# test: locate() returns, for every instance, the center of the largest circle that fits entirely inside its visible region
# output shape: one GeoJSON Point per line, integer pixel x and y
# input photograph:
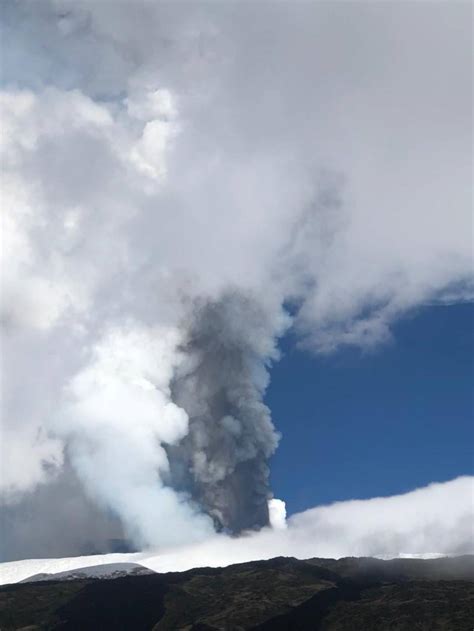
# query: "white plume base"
{"type": "Point", "coordinates": [277, 514]}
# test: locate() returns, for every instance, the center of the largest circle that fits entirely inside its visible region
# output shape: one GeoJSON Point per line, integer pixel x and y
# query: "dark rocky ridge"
{"type": "Point", "coordinates": [281, 594]}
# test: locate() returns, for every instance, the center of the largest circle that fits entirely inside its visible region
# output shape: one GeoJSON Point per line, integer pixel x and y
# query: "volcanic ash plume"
{"type": "Point", "coordinates": [153, 150]}
{"type": "Point", "coordinates": [223, 459]}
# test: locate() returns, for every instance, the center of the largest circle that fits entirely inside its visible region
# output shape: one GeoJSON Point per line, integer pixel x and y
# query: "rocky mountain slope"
{"type": "Point", "coordinates": [283, 593]}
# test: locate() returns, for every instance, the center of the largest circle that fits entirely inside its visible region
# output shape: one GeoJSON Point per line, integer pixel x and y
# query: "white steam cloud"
{"type": "Point", "coordinates": [432, 521]}
{"type": "Point", "coordinates": [239, 157]}
{"type": "Point", "coordinates": [116, 416]}
{"type": "Point", "coordinates": [277, 510]}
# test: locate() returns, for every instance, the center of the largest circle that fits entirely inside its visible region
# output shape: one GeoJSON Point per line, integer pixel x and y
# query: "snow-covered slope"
{"type": "Point", "coordinates": [97, 565]}
{"type": "Point", "coordinates": [114, 565]}
{"type": "Point", "coordinates": [107, 570]}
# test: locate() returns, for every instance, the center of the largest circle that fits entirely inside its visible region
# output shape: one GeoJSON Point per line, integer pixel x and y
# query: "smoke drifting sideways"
{"type": "Point", "coordinates": [428, 522]}
{"type": "Point", "coordinates": [161, 207]}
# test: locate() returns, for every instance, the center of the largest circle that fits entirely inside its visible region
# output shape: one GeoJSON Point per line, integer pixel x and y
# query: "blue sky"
{"type": "Point", "coordinates": [360, 425]}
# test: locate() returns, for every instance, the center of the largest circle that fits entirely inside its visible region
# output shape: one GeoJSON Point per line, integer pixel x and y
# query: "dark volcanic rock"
{"type": "Point", "coordinates": [318, 594]}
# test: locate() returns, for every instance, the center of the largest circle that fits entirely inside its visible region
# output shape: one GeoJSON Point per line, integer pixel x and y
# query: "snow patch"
{"type": "Point", "coordinates": [107, 570]}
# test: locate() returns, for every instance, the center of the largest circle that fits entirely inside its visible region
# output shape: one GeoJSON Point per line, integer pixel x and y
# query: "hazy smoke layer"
{"type": "Point", "coordinates": [167, 188]}
{"type": "Point", "coordinates": [39, 526]}
{"type": "Point", "coordinates": [223, 457]}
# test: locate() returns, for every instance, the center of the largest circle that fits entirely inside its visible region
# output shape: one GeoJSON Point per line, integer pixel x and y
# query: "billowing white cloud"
{"type": "Point", "coordinates": [436, 519]}
{"type": "Point", "coordinates": [116, 415]}
{"type": "Point", "coordinates": [152, 154]}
